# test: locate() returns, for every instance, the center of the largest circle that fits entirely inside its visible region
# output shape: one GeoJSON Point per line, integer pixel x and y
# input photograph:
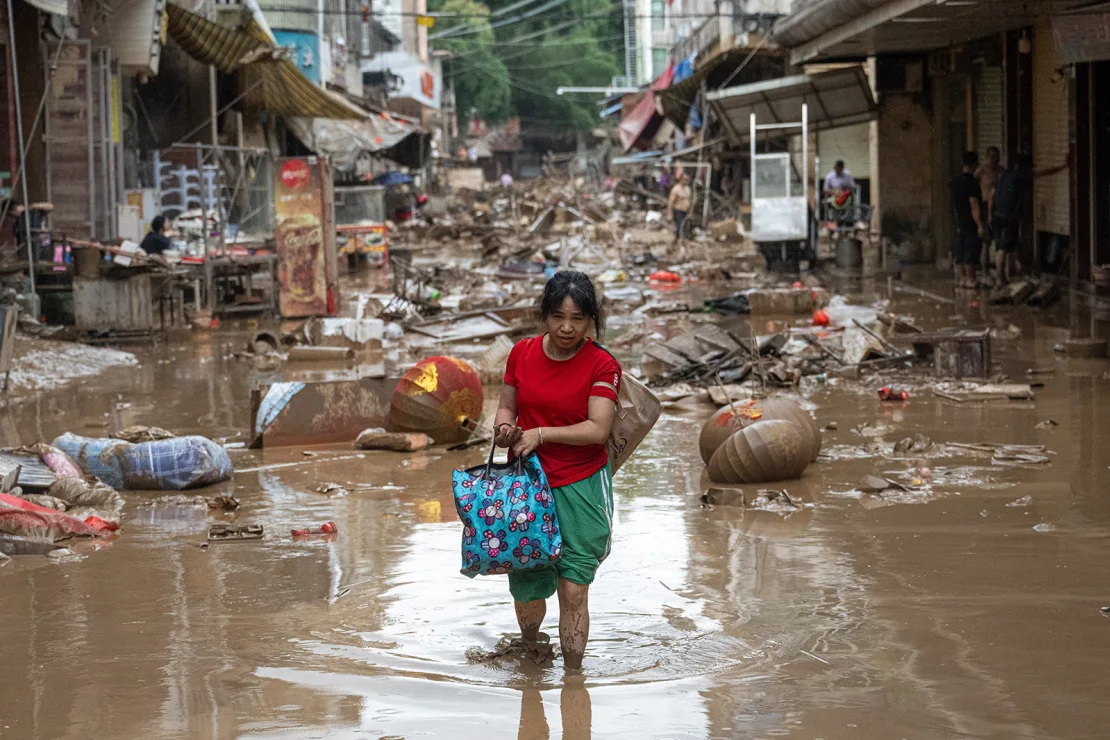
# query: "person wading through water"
{"type": "Point", "coordinates": [559, 400]}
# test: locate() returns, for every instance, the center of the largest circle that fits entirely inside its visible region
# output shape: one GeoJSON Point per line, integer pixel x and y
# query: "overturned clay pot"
{"type": "Point", "coordinates": [730, 419]}
{"type": "Point", "coordinates": [762, 452]}
{"type": "Point", "coordinates": [723, 424]}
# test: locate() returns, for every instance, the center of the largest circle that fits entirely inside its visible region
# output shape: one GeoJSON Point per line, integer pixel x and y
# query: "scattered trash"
{"type": "Point", "coordinates": [380, 439]}
{"type": "Point", "coordinates": [664, 277]}
{"type": "Point", "coordinates": [224, 502]}
{"type": "Point", "coordinates": [889, 393]}
{"type": "Point", "coordinates": [325, 528]}
{"type": "Point", "coordinates": [1021, 502]}
{"type": "Point", "coordinates": [986, 392]}
{"type": "Point", "coordinates": [820, 318]}
{"type": "Point", "coordinates": [25, 519]}
{"type": "Point", "coordinates": [1047, 424]}
{"type": "Point", "coordinates": [331, 489]}
{"type": "Point", "coordinates": [874, 484]}
{"type": "Point", "coordinates": [1045, 528]}
{"type": "Point", "coordinates": [235, 533]}
{"type": "Point", "coordinates": [917, 444]}
{"type": "Point", "coordinates": [136, 434]}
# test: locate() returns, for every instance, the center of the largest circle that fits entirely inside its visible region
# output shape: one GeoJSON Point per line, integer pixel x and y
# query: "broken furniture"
{"type": "Point", "coordinates": [961, 354]}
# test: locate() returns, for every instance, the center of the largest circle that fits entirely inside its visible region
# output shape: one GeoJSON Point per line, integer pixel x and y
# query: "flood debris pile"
{"type": "Point", "coordinates": [46, 498]}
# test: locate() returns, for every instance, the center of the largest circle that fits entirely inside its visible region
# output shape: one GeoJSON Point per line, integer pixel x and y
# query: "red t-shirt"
{"type": "Point", "coordinates": [554, 393]}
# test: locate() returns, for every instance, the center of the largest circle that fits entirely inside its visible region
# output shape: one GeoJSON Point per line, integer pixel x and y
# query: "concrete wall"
{"type": "Point", "coordinates": [906, 176]}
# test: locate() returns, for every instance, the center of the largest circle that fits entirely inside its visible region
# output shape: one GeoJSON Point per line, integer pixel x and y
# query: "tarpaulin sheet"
{"type": "Point", "coordinates": [639, 127]}
{"type": "Point", "coordinates": [343, 142]}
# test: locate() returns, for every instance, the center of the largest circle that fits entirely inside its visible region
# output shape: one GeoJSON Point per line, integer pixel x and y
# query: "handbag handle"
{"type": "Point", "coordinates": [489, 461]}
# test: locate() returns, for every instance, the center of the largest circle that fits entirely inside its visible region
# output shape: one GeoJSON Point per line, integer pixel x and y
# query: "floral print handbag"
{"type": "Point", "coordinates": [508, 516]}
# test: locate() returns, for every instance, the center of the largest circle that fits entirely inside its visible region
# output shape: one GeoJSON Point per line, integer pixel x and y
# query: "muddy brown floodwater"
{"type": "Point", "coordinates": [944, 613]}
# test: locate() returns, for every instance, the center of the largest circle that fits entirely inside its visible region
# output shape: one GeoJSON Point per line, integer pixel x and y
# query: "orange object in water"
{"type": "Point", "coordinates": [436, 397]}
{"type": "Point", "coordinates": [820, 318]}
{"type": "Point", "coordinates": [325, 528]}
{"type": "Point", "coordinates": [665, 276]}
{"type": "Point", "coordinates": [887, 393]}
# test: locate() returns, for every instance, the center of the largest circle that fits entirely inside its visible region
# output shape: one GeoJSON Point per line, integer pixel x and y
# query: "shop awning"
{"type": "Point", "coordinates": [269, 79]}
{"type": "Point", "coordinates": [641, 125]}
{"type": "Point", "coordinates": [840, 97]}
{"type": "Point", "coordinates": [856, 29]}
{"type": "Point", "coordinates": [679, 97]}
{"type": "Point", "coordinates": [55, 7]}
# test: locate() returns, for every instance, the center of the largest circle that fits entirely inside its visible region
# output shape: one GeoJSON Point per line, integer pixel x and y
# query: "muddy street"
{"type": "Point", "coordinates": [967, 607]}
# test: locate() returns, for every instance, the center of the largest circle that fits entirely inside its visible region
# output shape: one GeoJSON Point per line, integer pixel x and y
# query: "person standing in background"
{"type": "Point", "coordinates": [678, 205]}
{"type": "Point", "coordinates": [987, 174]}
{"type": "Point", "coordinates": [967, 207]}
{"type": "Point", "coordinates": [1008, 207]}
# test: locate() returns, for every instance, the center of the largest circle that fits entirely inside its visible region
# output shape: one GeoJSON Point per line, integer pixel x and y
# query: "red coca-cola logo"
{"type": "Point", "coordinates": [295, 174]}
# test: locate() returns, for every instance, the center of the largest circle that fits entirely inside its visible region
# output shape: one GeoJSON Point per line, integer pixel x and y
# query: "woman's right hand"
{"type": "Point", "coordinates": [507, 435]}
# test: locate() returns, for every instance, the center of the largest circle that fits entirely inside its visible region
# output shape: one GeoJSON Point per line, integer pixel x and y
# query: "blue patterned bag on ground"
{"type": "Point", "coordinates": [508, 516]}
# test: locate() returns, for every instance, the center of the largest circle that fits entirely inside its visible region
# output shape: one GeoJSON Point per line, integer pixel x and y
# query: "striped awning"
{"type": "Point", "coordinates": [269, 79]}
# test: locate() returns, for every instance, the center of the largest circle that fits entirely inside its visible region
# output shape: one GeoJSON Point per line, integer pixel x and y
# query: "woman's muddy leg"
{"type": "Point", "coordinates": [574, 621]}
{"type": "Point", "coordinates": [529, 615]}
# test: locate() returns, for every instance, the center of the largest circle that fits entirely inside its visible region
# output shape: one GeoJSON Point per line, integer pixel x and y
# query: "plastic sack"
{"type": "Point", "coordinates": [168, 464]}
{"type": "Point", "coordinates": [59, 463]}
{"type": "Point", "coordinates": [508, 516]}
{"type": "Point", "coordinates": [80, 493]}
{"type": "Point", "coordinates": [25, 519]}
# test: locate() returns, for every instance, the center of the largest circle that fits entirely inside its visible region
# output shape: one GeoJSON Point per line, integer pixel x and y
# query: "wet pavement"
{"type": "Point", "coordinates": [938, 613]}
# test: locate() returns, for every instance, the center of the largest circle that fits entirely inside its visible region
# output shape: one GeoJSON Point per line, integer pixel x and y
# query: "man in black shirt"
{"type": "Point", "coordinates": [967, 205]}
{"type": "Point", "coordinates": [156, 241]}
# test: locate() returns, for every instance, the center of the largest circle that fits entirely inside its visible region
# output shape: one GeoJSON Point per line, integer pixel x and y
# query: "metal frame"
{"type": "Point", "coordinates": [210, 156]}
{"type": "Point", "coordinates": [785, 157]}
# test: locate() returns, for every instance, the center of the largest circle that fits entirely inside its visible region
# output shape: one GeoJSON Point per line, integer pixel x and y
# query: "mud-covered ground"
{"type": "Point", "coordinates": [967, 607]}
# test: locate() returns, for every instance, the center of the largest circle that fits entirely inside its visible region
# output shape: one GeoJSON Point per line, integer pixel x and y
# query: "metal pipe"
{"type": "Point", "coordinates": [22, 156]}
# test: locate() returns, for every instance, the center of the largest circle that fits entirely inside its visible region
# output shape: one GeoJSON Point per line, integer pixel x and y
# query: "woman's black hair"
{"type": "Point", "coordinates": [577, 287]}
{"type": "Point", "coordinates": [157, 223]}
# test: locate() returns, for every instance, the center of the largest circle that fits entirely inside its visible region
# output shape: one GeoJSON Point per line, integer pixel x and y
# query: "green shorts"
{"type": "Point", "coordinates": [585, 512]}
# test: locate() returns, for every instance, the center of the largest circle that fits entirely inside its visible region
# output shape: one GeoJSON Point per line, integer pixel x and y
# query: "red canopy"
{"type": "Point", "coordinates": [641, 124]}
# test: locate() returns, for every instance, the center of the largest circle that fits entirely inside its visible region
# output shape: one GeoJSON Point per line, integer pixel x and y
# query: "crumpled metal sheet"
{"type": "Point", "coordinates": [343, 142]}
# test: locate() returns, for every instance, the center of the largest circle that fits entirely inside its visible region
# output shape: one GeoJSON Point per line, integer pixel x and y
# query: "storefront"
{"type": "Point", "coordinates": [1084, 41]}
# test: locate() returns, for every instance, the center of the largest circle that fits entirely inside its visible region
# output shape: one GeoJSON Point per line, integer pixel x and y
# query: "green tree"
{"type": "Point", "coordinates": [480, 78]}
{"type": "Point", "coordinates": [521, 56]}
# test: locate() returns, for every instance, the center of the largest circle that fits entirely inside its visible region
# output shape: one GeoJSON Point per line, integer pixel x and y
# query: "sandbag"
{"type": "Point", "coordinates": [168, 465]}
{"type": "Point", "coordinates": [762, 452]}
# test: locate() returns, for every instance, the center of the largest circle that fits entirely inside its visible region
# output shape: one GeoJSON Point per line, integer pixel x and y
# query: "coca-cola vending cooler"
{"type": "Point", "coordinates": [304, 230]}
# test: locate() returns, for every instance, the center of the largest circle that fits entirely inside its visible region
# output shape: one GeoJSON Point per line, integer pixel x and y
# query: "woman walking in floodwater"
{"type": "Point", "coordinates": [559, 400]}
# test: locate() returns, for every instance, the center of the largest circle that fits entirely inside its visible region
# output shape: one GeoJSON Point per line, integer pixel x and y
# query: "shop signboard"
{"type": "Point", "coordinates": [419, 81]}
{"type": "Point", "coordinates": [304, 51]}
{"type": "Point", "coordinates": [1082, 37]}
{"type": "Point", "coordinates": [305, 237]}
